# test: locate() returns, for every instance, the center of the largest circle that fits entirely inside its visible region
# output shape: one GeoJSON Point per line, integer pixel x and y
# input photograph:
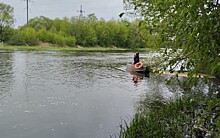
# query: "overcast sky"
{"type": "Point", "coordinates": [107, 9]}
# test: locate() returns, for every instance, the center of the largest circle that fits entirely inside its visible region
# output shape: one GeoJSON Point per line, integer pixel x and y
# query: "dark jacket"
{"type": "Point", "coordinates": [136, 59]}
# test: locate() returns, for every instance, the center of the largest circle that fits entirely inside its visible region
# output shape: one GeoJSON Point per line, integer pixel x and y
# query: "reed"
{"type": "Point", "coordinates": [189, 116]}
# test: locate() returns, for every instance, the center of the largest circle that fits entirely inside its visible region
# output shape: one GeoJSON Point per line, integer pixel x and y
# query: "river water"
{"type": "Point", "coordinates": [45, 94]}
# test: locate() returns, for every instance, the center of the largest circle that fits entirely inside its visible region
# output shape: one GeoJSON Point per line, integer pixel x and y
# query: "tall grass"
{"type": "Point", "coordinates": [189, 116]}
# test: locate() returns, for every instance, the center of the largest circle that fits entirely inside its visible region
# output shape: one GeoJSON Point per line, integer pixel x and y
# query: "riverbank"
{"type": "Point", "coordinates": [82, 49]}
{"type": "Point", "coordinates": [51, 48]}
{"type": "Point", "coordinates": [191, 116]}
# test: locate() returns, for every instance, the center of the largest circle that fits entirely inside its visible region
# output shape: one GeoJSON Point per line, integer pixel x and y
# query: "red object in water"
{"type": "Point", "coordinates": [138, 69]}
{"type": "Point", "coordinates": [132, 68]}
{"type": "Point", "coordinates": [138, 65]}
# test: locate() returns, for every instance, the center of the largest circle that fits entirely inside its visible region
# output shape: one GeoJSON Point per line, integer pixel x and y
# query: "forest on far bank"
{"type": "Point", "coordinates": [87, 31]}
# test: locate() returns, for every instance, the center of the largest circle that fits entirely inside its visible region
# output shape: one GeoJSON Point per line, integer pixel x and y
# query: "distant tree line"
{"type": "Point", "coordinates": [88, 31]}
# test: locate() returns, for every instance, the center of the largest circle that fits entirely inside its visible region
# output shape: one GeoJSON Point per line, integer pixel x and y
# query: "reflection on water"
{"type": "Point", "coordinates": [71, 95]}
{"type": "Point", "coordinates": [137, 78]}
{"type": "Point", "coordinates": [6, 74]}
{"type": "Point", "coordinates": [158, 93]}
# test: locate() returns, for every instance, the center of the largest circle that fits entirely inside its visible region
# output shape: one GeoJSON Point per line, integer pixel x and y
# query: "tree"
{"type": "Point", "coordinates": [62, 25]}
{"type": "Point", "coordinates": [84, 33]}
{"type": "Point", "coordinates": [192, 26]}
{"type": "Point", "coordinates": [39, 23]}
{"type": "Point", "coordinates": [121, 35]}
{"type": "Point", "coordinates": [92, 17]}
{"type": "Point", "coordinates": [6, 21]}
{"type": "Point", "coordinates": [24, 36]}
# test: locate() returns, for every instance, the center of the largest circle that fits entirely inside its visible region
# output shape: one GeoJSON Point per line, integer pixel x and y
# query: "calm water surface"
{"type": "Point", "coordinates": [70, 95]}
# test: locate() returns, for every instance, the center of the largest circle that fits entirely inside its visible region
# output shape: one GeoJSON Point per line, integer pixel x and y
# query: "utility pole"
{"type": "Point", "coordinates": [81, 12]}
{"type": "Point", "coordinates": [27, 11]}
{"type": "Point", "coordinates": [27, 6]}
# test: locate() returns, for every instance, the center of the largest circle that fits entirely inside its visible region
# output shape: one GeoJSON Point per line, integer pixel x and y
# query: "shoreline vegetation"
{"type": "Point", "coordinates": [195, 30]}
{"type": "Point", "coordinates": [78, 48]}
{"type": "Point", "coordinates": [190, 116]}
{"type": "Point", "coordinates": [54, 48]}
{"type": "Point", "coordinates": [193, 115]}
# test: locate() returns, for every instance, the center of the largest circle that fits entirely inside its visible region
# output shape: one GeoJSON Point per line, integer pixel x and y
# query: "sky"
{"type": "Point", "coordinates": [107, 9]}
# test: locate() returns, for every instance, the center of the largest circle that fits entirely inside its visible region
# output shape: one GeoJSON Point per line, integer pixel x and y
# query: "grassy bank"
{"type": "Point", "coordinates": [190, 116]}
{"type": "Point", "coordinates": [42, 48]}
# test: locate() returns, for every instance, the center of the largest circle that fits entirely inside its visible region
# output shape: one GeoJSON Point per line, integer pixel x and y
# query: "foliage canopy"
{"type": "Point", "coordinates": [190, 25]}
{"type": "Point", "coordinates": [6, 21]}
{"type": "Point", "coordinates": [87, 31]}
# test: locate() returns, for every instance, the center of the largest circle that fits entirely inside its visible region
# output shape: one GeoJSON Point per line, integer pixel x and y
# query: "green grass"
{"type": "Point", "coordinates": [195, 116]}
{"type": "Point", "coordinates": [41, 48]}
{"type": "Point", "coordinates": [83, 49]}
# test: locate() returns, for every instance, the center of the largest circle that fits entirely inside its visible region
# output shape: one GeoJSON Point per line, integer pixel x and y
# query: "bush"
{"type": "Point", "coordinates": [70, 41]}
{"type": "Point", "coordinates": [17, 39]}
{"type": "Point", "coordinates": [59, 40]}
{"type": "Point", "coordinates": [46, 36]}
{"type": "Point", "coordinates": [27, 36]}
{"type": "Point", "coordinates": [193, 115]}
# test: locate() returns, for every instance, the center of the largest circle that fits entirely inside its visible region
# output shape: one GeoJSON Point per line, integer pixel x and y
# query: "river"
{"type": "Point", "coordinates": [46, 94]}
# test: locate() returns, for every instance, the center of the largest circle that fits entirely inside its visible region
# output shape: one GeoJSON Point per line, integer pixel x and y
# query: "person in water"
{"type": "Point", "coordinates": [136, 58]}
